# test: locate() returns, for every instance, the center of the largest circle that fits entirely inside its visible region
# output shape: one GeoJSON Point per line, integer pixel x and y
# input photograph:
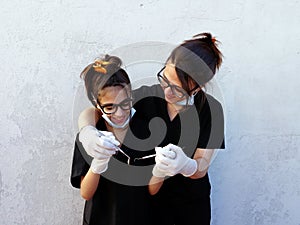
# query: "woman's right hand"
{"type": "Point", "coordinates": [100, 145]}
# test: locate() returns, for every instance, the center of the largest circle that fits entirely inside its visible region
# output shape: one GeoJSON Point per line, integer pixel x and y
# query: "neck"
{"type": "Point", "coordinates": [173, 110]}
{"type": "Point", "coordinates": [118, 132]}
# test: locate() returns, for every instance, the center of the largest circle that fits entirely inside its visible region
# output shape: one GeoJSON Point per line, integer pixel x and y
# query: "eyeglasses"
{"type": "Point", "coordinates": [126, 104]}
{"type": "Point", "coordinates": [165, 83]}
{"type": "Point", "coordinates": [176, 90]}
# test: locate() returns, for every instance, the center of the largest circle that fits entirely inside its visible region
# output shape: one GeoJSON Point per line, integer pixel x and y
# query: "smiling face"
{"type": "Point", "coordinates": [115, 95]}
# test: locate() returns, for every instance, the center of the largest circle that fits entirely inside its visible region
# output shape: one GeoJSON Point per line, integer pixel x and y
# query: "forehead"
{"type": "Point", "coordinates": [113, 95]}
{"type": "Point", "coordinates": [170, 73]}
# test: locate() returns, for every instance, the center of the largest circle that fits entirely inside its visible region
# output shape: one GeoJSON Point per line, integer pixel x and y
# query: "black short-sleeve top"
{"type": "Point", "coordinates": [118, 199]}
{"type": "Point", "coordinates": [201, 126]}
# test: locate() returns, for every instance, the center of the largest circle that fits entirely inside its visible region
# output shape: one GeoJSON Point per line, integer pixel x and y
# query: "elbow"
{"type": "Point", "coordinates": [152, 191]}
{"type": "Point", "coordinates": [199, 174]}
{"type": "Point", "coordinates": [85, 195]}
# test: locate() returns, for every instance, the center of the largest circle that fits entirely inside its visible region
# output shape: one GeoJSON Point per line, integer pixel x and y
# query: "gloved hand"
{"type": "Point", "coordinates": [159, 170]}
{"type": "Point", "coordinates": [99, 145]}
{"type": "Point", "coordinates": [99, 166]}
{"type": "Point", "coordinates": [180, 164]}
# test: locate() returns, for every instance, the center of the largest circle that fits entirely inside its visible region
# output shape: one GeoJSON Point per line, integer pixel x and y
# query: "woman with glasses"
{"type": "Point", "coordinates": [107, 201]}
{"type": "Point", "coordinates": [193, 125]}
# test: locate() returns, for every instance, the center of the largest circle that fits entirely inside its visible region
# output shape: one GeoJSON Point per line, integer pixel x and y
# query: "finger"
{"type": "Point", "coordinates": [106, 133]}
{"type": "Point", "coordinates": [169, 153]}
{"type": "Point", "coordinates": [162, 167]}
{"type": "Point", "coordinates": [158, 160]}
{"type": "Point", "coordinates": [164, 160]}
{"type": "Point", "coordinates": [112, 140]}
{"type": "Point", "coordinates": [158, 149]}
{"type": "Point", "coordinates": [103, 151]}
{"type": "Point", "coordinates": [103, 142]}
{"type": "Point", "coordinates": [110, 136]}
{"type": "Point", "coordinates": [175, 148]}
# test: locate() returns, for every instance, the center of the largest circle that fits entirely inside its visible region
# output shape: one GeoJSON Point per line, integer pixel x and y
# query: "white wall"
{"type": "Point", "coordinates": [44, 46]}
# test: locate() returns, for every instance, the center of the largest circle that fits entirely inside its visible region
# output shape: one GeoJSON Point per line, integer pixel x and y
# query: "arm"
{"type": "Point", "coordinates": [155, 184]}
{"type": "Point", "coordinates": [89, 185]}
{"type": "Point", "coordinates": [166, 165]}
{"type": "Point", "coordinates": [203, 157]}
{"type": "Point", "coordinates": [89, 116]}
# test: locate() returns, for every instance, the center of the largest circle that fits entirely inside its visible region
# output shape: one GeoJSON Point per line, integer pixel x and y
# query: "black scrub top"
{"type": "Point", "coordinates": [119, 198]}
{"type": "Point", "coordinates": [182, 200]}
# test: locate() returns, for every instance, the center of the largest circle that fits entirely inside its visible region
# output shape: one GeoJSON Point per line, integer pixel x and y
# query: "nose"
{"type": "Point", "coordinates": [168, 91]}
{"type": "Point", "coordinates": [119, 112]}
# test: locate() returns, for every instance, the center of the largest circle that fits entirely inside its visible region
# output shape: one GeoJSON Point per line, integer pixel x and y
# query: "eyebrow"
{"type": "Point", "coordinates": [170, 81]}
{"type": "Point", "coordinates": [111, 104]}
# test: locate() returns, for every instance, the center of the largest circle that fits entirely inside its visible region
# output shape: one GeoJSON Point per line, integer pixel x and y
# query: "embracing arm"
{"type": "Point", "coordinates": [89, 116]}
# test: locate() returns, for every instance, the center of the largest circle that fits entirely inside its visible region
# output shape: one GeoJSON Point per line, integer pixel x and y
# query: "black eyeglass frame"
{"type": "Point", "coordinates": [115, 106]}
{"type": "Point", "coordinates": [172, 86]}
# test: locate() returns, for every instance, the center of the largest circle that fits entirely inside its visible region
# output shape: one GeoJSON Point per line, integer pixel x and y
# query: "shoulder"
{"type": "Point", "coordinates": [209, 104]}
{"type": "Point", "coordinates": [148, 99]}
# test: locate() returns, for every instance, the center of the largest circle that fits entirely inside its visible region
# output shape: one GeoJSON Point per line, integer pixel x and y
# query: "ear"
{"type": "Point", "coordinates": [198, 89]}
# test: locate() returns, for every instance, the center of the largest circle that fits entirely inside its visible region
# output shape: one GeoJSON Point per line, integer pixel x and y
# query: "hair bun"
{"type": "Point", "coordinates": [207, 37]}
{"type": "Point", "coordinates": [99, 66]}
{"type": "Point", "coordinates": [213, 40]}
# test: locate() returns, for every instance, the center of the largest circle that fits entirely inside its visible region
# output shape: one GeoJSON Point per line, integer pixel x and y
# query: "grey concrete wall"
{"type": "Point", "coordinates": [45, 45]}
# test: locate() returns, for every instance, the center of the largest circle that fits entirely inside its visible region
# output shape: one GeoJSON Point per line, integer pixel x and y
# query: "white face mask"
{"type": "Point", "coordinates": [189, 101]}
{"type": "Point", "coordinates": [125, 124]}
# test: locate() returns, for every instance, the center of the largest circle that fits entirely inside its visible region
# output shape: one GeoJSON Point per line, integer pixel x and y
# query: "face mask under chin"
{"type": "Point", "coordinates": [187, 102]}
{"type": "Point", "coordinates": [125, 124]}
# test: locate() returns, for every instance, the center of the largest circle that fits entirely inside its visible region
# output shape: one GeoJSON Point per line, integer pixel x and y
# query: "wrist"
{"type": "Point", "coordinates": [156, 172]}
{"type": "Point", "coordinates": [190, 168]}
{"type": "Point", "coordinates": [99, 166]}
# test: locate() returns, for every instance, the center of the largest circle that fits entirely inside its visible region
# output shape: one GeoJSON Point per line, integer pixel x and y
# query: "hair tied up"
{"type": "Point", "coordinates": [207, 37]}
{"type": "Point", "coordinates": [98, 66]}
{"type": "Point", "coordinates": [213, 40]}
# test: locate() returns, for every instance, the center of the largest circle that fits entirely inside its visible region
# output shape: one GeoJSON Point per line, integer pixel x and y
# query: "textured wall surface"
{"type": "Point", "coordinates": [44, 46]}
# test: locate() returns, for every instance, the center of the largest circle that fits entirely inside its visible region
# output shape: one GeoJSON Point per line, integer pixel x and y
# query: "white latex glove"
{"type": "Point", "coordinates": [99, 166]}
{"type": "Point", "coordinates": [159, 168]}
{"type": "Point", "coordinates": [98, 144]}
{"type": "Point", "coordinates": [180, 164]}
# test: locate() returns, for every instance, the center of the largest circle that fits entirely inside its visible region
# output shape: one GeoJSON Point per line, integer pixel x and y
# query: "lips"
{"type": "Point", "coordinates": [118, 121]}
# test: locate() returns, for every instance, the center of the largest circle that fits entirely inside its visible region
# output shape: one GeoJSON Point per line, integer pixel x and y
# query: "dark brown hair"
{"type": "Point", "coordinates": [196, 60]}
{"type": "Point", "coordinates": [104, 72]}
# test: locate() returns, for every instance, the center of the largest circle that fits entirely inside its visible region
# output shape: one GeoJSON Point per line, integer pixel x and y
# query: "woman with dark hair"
{"type": "Point", "coordinates": [194, 125]}
{"type": "Point", "coordinates": [108, 202]}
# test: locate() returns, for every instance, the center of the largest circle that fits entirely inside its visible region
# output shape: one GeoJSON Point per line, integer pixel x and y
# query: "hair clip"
{"type": "Point", "coordinates": [213, 40]}
{"type": "Point", "coordinates": [98, 66]}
